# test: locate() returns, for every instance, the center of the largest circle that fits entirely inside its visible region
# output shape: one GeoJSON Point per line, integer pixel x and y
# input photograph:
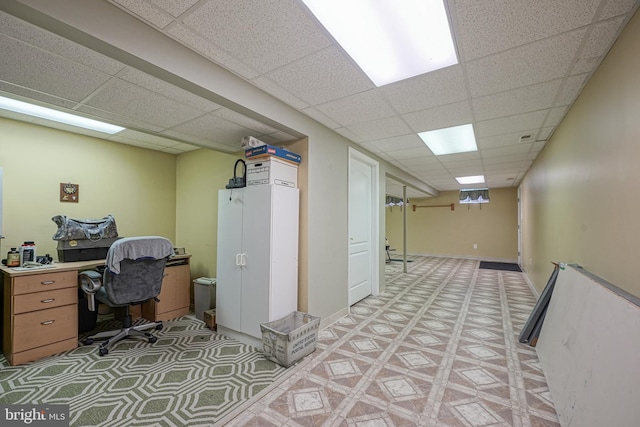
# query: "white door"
{"type": "Point", "coordinates": [519, 228]}
{"type": "Point", "coordinates": [363, 225]}
{"type": "Point", "coordinates": [229, 268]}
{"type": "Point", "coordinates": [256, 259]}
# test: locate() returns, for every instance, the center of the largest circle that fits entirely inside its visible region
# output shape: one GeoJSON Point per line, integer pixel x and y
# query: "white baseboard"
{"type": "Point", "coordinates": [327, 321]}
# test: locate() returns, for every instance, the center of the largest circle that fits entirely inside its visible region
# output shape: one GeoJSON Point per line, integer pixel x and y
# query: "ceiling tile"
{"type": "Point", "coordinates": [321, 77]}
{"type": "Point", "coordinates": [120, 119]}
{"type": "Point", "coordinates": [505, 168]}
{"type": "Point", "coordinates": [410, 153]}
{"type": "Point", "coordinates": [597, 44]}
{"type": "Point", "coordinates": [486, 28]}
{"type": "Point", "coordinates": [244, 121]}
{"type": "Point", "coordinates": [146, 11]}
{"type": "Point", "coordinates": [429, 90]}
{"type": "Point", "coordinates": [459, 157]}
{"type": "Point", "coordinates": [385, 128]}
{"type": "Point", "coordinates": [502, 151]}
{"type": "Point", "coordinates": [545, 133]}
{"type": "Point", "coordinates": [358, 108]}
{"type": "Point", "coordinates": [279, 92]}
{"type": "Point", "coordinates": [440, 117]}
{"type": "Point", "coordinates": [505, 159]}
{"type": "Point", "coordinates": [510, 124]}
{"type": "Point", "coordinates": [617, 7]}
{"type": "Point", "coordinates": [398, 143]}
{"type": "Point", "coordinates": [175, 8]}
{"type": "Point", "coordinates": [555, 116]}
{"type": "Point", "coordinates": [419, 161]}
{"type": "Point", "coordinates": [570, 89]}
{"type": "Point", "coordinates": [216, 54]}
{"type": "Point", "coordinates": [31, 67]}
{"type": "Point", "coordinates": [52, 43]}
{"type": "Point", "coordinates": [168, 90]}
{"type": "Point", "coordinates": [226, 133]}
{"type": "Point", "coordinates": [321, 118]}
{"type": "Point", "coordinates": [516, 101]}
{"type": "Point", "coordinates": [265, 34]}
{"type": "Point", "coordinates": [26, 94]}
{"type": "Point", "coordinates": [506, 139]}
{"type": "Point", "coordinates": [474, 163]}
{"type": "Point", "coordinates": [538, 146]}
{"type": "Point", "coordinates": [156, 140]}
{"type": "Point", "coordinates": [139, 103]}
{"type": "Point", "coordinates": [350, 135]}
{"type": "Point", "coordinates": [530, 64]}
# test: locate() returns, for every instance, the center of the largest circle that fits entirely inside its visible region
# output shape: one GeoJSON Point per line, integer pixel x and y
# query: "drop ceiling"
{"type": "Point", "coordinates": [521, 66]}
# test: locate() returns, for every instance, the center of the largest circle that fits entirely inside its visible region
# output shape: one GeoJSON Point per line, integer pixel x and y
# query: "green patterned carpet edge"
{"type": "Point", "coordinates": [190, 376]}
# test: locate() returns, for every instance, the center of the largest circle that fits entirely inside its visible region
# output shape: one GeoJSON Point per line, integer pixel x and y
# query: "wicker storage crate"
{"type": "Point", "coordinates": [287, 340]}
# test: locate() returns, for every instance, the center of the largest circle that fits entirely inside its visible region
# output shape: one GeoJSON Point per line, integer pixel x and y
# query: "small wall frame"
{"type": "Point", "coordinates": [69, 192]}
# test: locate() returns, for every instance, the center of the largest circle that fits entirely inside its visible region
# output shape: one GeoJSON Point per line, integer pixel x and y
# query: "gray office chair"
{"type": "Point", "coordinates": [133, 274]}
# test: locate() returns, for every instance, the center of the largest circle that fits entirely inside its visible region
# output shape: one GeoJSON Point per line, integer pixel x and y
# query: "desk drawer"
{"type": "Point", "coordinates": [39, 328]}
{"type": "Point", "coordinates": [25, 303]}
{"type": "Point", "coordinates": [44, 282]}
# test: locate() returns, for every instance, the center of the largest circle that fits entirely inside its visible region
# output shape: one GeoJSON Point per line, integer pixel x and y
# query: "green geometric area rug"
{"type": "Point", "coordinates": [190, 377]}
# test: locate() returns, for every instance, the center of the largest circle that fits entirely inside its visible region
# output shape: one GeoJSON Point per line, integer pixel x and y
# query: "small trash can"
{"type": "Point", "coordinates": [204, 295]}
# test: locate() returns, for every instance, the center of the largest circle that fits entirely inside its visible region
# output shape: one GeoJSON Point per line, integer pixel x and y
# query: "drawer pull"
{"type": "Point", "coordinates": [44, 301]}
{"type": "Point", "coordinates": [48, 282]}
{"type": "Point", "coordinates": [48, 322]}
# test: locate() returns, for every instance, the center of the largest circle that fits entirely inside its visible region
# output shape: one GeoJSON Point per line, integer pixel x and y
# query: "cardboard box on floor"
{"type": "Point", "coordinates": [210, 319]}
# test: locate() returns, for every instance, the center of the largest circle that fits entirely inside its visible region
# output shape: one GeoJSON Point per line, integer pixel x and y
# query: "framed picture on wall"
{"type": "Point", "coordinates": [69, 192]}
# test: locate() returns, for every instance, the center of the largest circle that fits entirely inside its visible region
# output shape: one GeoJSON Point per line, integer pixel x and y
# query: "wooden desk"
{"type": "Point", "coordinates": [40, 307]}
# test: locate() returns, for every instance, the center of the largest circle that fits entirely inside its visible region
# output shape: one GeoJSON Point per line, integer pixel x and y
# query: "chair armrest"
{"type": "Point", "coordinates": [90, 282]}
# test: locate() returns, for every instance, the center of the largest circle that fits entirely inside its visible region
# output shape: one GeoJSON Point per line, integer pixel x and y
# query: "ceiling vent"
{"type": "Point", "coordinates": [526, 138]}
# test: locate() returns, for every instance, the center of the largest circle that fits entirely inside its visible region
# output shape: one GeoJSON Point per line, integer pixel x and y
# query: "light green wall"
{"type": "Point", "coordinates": [441, 231]}
{"type": "Point", "coordinates": [579, 199]}
{"type": "Point", "coordinates": [200, 174]}
{"type": "Point", "coordinates": [137, 186]}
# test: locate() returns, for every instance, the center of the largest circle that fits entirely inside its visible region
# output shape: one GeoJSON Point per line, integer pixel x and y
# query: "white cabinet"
{"type": "Point", "coordinates": [257, 264]}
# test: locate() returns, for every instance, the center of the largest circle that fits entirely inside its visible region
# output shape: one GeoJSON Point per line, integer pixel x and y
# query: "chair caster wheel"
{"type": "Point", "coordinates": [88, 341]}
{"type": "Point", "coordinates": [103, 351]}
{"type": "Point", "coordinates": [152, 339]}
{"type": "Point", "coordinates": [159, 326]}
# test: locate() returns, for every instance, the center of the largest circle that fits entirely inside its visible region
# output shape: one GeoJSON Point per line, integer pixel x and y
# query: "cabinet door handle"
{"type": "Point", "coordinates": [48, 282]}
{"type": "Point", "coordinates": [48, 322]}
{"type": "Point", "coordinates": [44, 301]}
{"type": "Point", "coordinates": [243, 258]}
{"type": "Point", "coordinates": [238, 259]}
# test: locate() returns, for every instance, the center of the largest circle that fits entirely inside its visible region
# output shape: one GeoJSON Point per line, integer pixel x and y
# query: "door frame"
{"type": "Point", "coordinates": [519, 195]}
{"type": "Point", "coordinates": [375, 220]}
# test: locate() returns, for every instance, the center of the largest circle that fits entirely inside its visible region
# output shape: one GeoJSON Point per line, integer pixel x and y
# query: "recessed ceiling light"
{"type": "Point", "coordinates": [476, 179]}
{"type": "Point", "coordinates": [389, 40]}
{"type": "Point", "coordinates": [457, 139]}
{"type": "Point", "coordinates": [57, 116]}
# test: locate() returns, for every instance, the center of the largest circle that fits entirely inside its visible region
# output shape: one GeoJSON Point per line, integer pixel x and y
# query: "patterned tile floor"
{"type": "Point", "coordinates": [438, 348]}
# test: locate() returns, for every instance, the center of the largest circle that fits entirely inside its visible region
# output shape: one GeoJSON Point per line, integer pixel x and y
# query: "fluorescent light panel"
{"type": "Point", "coordinates": [390, 40]}
{"type": "Point", "coordinates": [476, 179]}
{"type": "Point", "coordinates": [457, 139]}
{"type": "Point", "coordinates": [57, 116]}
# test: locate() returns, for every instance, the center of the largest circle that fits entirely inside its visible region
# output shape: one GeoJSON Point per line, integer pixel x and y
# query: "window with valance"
{"type": "Point", "coordinates": [394, 201]}
{"type": "Point", "coordinates": [477, 195]}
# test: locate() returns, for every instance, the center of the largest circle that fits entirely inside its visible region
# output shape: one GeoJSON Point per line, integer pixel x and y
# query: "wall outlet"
{"type": "Point", "coordinates": [475, 246]}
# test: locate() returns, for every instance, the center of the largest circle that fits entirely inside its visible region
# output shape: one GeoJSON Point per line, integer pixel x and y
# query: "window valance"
{"type": "Point", "coordinates": [394, 201]}
{"type": "Point", "coordinates": [476, 195]}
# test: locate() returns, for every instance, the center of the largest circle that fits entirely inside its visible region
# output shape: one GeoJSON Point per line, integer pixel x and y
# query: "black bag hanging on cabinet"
{"type": "Point", "coordinates": [89, 229]}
